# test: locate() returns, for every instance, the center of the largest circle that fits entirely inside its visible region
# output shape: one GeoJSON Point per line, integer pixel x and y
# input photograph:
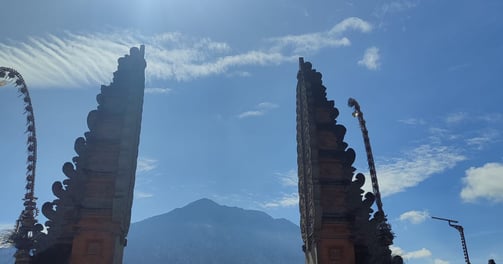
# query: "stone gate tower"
{"type": "Point", "coordinates": [89, 220]}
{"type": "Point", "coordinates": [335, 216]}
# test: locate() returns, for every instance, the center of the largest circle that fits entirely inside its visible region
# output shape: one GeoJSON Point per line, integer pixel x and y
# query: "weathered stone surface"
{"type": "Point", "coordinates": [335, 216]}
{"type": "Point", "coordinates": [90, 220]}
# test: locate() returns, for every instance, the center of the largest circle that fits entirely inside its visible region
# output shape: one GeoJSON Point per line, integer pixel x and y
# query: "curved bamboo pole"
{"type": "Point", "coordinates": [23, 236]}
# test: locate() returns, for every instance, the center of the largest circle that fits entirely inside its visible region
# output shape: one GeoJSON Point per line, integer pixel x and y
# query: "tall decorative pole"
{"type": "Point", "coordinates": [384, 229]}
{"type": "Point", "coordinates": [461, 234]}
{"type": "Point", "coordinates": [26, 226]}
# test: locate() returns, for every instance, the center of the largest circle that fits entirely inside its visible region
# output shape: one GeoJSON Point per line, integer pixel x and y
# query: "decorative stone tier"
{"type": "Point", "coordinates": [335, 216]}
{"type": "Point", "coordinates": [89, 220]}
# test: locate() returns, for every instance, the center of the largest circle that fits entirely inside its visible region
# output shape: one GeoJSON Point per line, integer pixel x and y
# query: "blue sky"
{"type": "Point", "coordinates": [219, 110]}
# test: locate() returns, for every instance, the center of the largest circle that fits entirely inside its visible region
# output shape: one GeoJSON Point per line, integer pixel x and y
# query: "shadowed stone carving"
{"type": "Point", "coordinates": [335, 216]}
{"type": "Point", "coordinates": [94, 202]}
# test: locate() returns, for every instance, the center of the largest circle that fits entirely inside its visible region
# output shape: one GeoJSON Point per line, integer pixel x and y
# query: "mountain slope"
{"type": "Point", "coordinates": [205, 232]}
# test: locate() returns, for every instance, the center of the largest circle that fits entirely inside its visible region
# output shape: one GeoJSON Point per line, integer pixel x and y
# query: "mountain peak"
{"type": "Point", "coordinates": [204, 202]}
{"type": "Point", "coordinates": [206, 232]}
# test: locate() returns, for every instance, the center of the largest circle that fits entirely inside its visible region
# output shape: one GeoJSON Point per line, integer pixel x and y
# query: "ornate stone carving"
{"type": "Point", "coordinates": [97, 194]}
{"type": "Point", "coordinates": [334, 212]}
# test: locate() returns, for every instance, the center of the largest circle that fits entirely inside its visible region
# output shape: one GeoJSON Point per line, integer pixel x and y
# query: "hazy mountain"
{"type": "Point", "coordinates": [205, 232]}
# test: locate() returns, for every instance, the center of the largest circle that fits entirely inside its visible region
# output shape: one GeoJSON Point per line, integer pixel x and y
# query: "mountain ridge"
{"type": "Point", "coordinates": [206, 232]}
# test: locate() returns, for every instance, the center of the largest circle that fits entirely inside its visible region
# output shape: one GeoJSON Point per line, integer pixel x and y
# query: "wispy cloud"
{"type": "Point", "coordinates": [158, 90]}
{"type": "Point", "coordinates": [354, 23]}
{"type": "Point", "coordinates": [67, 61]}
{"type": "Point", "coordinates": [445, 150]}
{"type": "Point", "coordinates": [259, 110]}
{"type": "Point", "coordinates": [370, 59]}
{"type": "Point", "coordinates": [484, 138]}
{"type": "Point", "coordinates": [484, 182]}
{"type": "Point", "coordinates": [73, 60]}
{"type": "Point", "coordinates": [239, 73]}
{"type": "Point", "coordinates": [288, 178]}
{"type": "Point", "coordinates": [417, 254]}
{"type": "Point", "coordinates": [142, 195]}
{"type": "Point", "coordinates": [165, 67]}
{"type": "Point", "coordinates": [454, 118]}
{"type": "Point", "coordinates": [290, 196]}
{"type": "Point", "coordinates": [440, 261]}
{"type": "Point", "coordinates": [415, 166]}
{"type": "Point", "coordinates": [394, 7]}
{"type": "Point", "coordinates": [491, 117]}
{"type": "Point", "coordinates": [415, 217]}
{"type": "Point", "coordinates": [318, 40]}
{"type": "Point", "coordinates": [145, 164]}
{"type": "Point", "coordinates": [144, 168]}
{"type": "Point", "coordinates": [478, 131]}
{"type": "Point", "coordinates": [413, 121]}
{"type": "Point", "coordinates": [463, 117]}
{"type": "Point", "coordinates": [287, 200]}
{"type": "Point", "coordinates": [438, 135]}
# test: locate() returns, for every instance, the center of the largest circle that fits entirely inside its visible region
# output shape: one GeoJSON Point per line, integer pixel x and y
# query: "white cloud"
{"type": "Point", "coordinates": [251, 113]}
{"type": "Point", "coordinates": [484, 182]}
{"type": "Point", "coordinates": [354, 23]}
{"type": "Point", "coordinates": [142, 195]}
{"type": "Point", "coordinates": [441, 261]}
{"type": "Point", "coordinates": [189, 67]}
{"type": "Point", "coordinates": [309, 42]}
{"type": "Point", "coordinates": [477, 136]}
{"type": "Point", "coordinates": [267, 106]}
{"type": "Point", "coordinates": [455, 118]}
{"type": "Point", "coordinates": [395, 7]}
{"type": "Point", "coordinates": [260, 109]}
{"type": "Point", "coordinates": [491, 117]}
{"type": "Point", "coordinates": [440, 134]}
{"type": "Point", "coordinates": [418, 254]}
{"type": "Point", "coordinates": [480, 141]}
{"type": "Point", "coordinates": [415, 217]}
{"type": "Point", "coordinates": [239, 74]}
{"type": "Point", "coordinates": [288, 200]}
{"type": "Point", "coordinates": [318, 40]}
{"type": "Point", "coordinates": [145, 164]}
{"type": "Point", "coordinates": [73, 60]}
{"type": "Point", "coordinates": [414, 167]}
{"type": "Point", "coordinates": [288, 181]}
{"type": "Point", "coordinates": [65, 62]}
{"type": "Point", "coordinates": [143, 181]}
{"type": "Point", "coordinates": [422, 253]}
{"type": "Point", "coordinates": [370, 59]}
{"type": "Point", "coordinates": [158, 90]}
{"type": "Point", "coordinates": [289, 178]}
{"type": "Point", "coordinates": [412, 121]}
